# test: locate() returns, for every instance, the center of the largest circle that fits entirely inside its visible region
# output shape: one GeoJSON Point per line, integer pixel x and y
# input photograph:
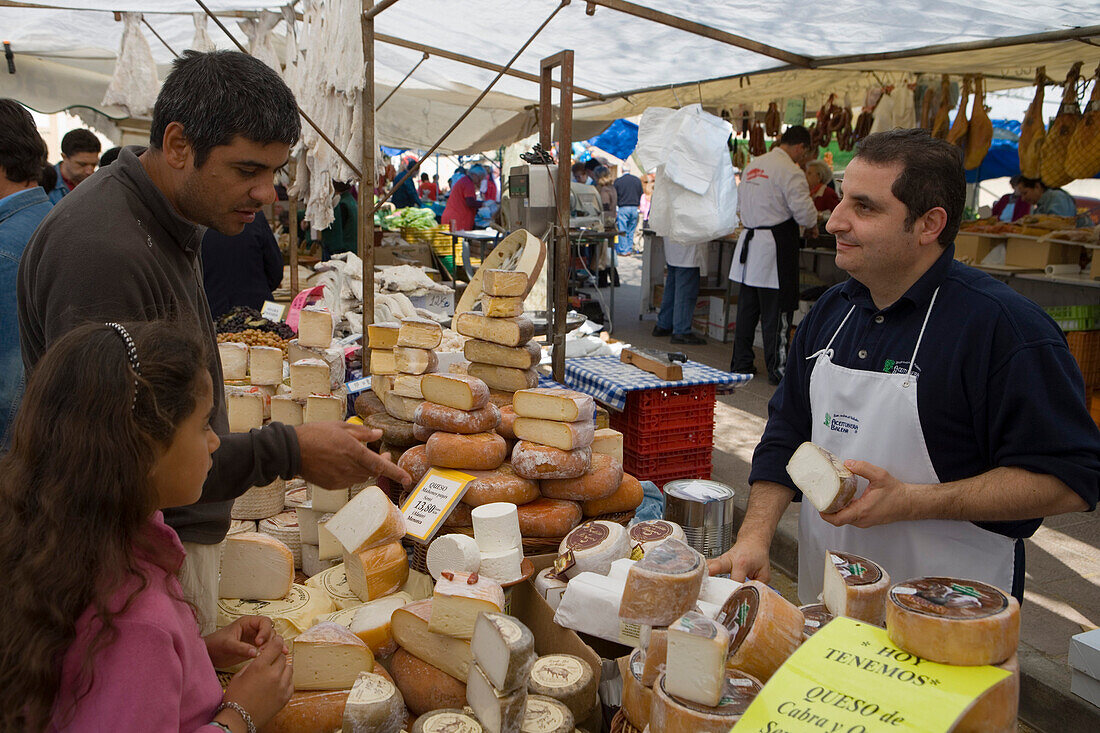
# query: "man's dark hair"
{"type": "Point", "coordinates": [80, 141]}
{"type": "Point", "coordinates": [795, 135]}
{"type": "Point", "coordinates": [22, 149]}
{"type": "Point", "coordinates": [931, 174]}
{"type": "Point", "coordinates": [47, 179]}
{"type": "Point", "coordinates": [591, 164]}
{"type": "Point", "coordinates": [424, 176]}
{"type": "Point", "coordinates": [577, 167]}
{"type": "Point", "coordinates": [218, 95]}
{"type": "Point", "coordinates": [109, 157]}
{"type": "Point", "coordinates": [1015, 180]}
{"type": "Point", "coordinates": [1031, 182]}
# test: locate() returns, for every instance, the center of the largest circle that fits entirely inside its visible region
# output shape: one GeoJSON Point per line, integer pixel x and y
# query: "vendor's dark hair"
{"type": "Point", "coordinates": [795, 135]}
{"type": "Point", "coordinates": [22, 149]}
{"type": "Point", "coordinates": [77, 499]}
{"type": "Point", "coordinates": [1031, 182]}
{"type": "Point", "coordinates": [80, 141]}
{"type": "Point", "coordinates": [931, 174]}
{"type": "Point", "coordinates": [219, 95]}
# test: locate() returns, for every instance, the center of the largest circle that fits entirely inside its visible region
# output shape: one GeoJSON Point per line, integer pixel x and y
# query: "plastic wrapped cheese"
{"type": "Point", "coordinates": [550, 587]}
{"type": "Point", "coordinates": [334, 584]}
{"type": "Point", "coordinates": [328, 656]}
{"type": "Point", "coordinates": [291, 615]}
{"type": "Point", "coordinates": [376, 572]}
{"type": "Point", "coordinates": [650, 533]}
{"type": "Point", "coordinates": [855, 587]}
{"type": "Point", "coordinates": [590, 605]}
{"type": "Point", "coordinates": [764, 627]}
{"type": "Point", "coordinates": [663, 585]}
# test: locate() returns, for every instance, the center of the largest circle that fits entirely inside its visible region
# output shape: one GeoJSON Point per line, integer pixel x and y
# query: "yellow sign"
{"type": "Point", "coordinates": [432, 501]}
{"type": "Point", "coordinates": [850, 678]}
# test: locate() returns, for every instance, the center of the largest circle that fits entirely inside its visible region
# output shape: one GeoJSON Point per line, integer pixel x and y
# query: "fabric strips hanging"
{"type": "Point", "coordinates": [260, 42]}
{"type": "Point", "coordinates": [201, 42]}
{"type": "Point", "coordinates": [134, 85]}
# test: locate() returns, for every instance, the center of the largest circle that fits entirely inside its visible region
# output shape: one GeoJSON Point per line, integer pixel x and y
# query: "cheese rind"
{"type": "Point", "coordinates": [535, 461]}
{"type": "Point", "coordinates": [650, 533]}
{"type": "Point", "coordinates": [483, 451]}
{"type": "Point", "coordinates": [315, 327]}
{"type": "Point", "coordinates": [855, 587]}
{"type": "Point", "coordinates": [764, 627]}
{"type": "Point", "coordinates": [546, 715]}
{"type": "Point", "coordinates": [374, 706]}
{"type": "Point", "coordinates": [503, 331]}
{"type": "Point", "coordinates": [498, 711]}
{"type": "Point", "coordinates": [402, 408]}
{"type": "Point", "coordinates": [566, 678]}
{"type": "Point", "coordinates": [560, 435]}
{"type": "Point", "coordinates": [415, 462]}
{"type": "Point", "coordinates": [504, 283]}
{"type": "Point", "coordinates": [602, 479]}
{"type": "Point", "coordinates": [409, 625]}
{"type": "Point", "coordinates": [500, 484]}
{"type": "Point", "coordinates": [525, 356]}
{"type": "Point", "coordinates": [408, 385]}
{"type": "Point", "coordinates": [550, 587]}
{"type": "Point", "coordinates": [454, 552]}
{"type": "Point", "coordinates": [496, 527]}
{"type": "Point", "coordinates": [447, 720]}
{"type": "Point", "coordinates": [997, 709]}
{"type": "Point", "coordinates": [953, 621]}
{"type": "Point", "coordinates": [292, 614]}
{"type": "Point", "coordinates": [368, 520]}
{"type": "Point", "coordinates": [255, 566]}
{"type": "Point", "coordinates": [663, 585]}
{"type": "Point", "coordinates": [637, 696]}
{"type": "Point", "coordinates": [265, 365]}
{"type": "Point", "coordinates": [653, 643]}
{"type": "Point", "coordinates": [822, 478]}
{"type": "Point", "coordinates": [504, 378]}
{"type": "Point", "coordinates": [424, 686]}
{"type": "Point", "coordinates": [816, 615]}
{"type": "Point", "coordinates": [452, 420]}
{"type": "Point", "coordinates": [673, 715]}
{"type": "Point", "coordinates": [233, 356]}
{"type": "Point", "coordinates": [459, 391]}
{"type": "Point", "coordinates": [561, 405]}
{"type": "Point", "coordinates": [696, 659]}
{"type": "Point", "coordinates": [310, 711]}
{"type": "Point", "coordinates": [411, 360]}
{"type": "Point", "coordinates": [548, 517]}
{"type": "Point", "coordinates": [507, 427]}
{"type": "Point", "coordinates": [394, 431]}
{"type": "Point", "coordinates": [329, 657]}
{"type": "Point", "coordinates": [376, 572]}
{"type": "Point", "coordinates": [382, 335]}
{"type": "Point", "coordinates": [609, 442]}
{"type": "Point", "coordinates": [595, 545]}
{"type": "Point", "coordinates": [504, 649]}
{"type": "Point", "coordinates": [458, 599]}
{"type": "Point", "coordinates": [420, 333]}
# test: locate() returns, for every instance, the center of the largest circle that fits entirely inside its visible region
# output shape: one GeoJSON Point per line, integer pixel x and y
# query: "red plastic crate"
{"type": "Point", "coordinates": [663, 467]}
{"type": "Point", "coordinates": [694, 433]}
{"type": "Point", "coordinates": [647, 408]}
{"type": "Point", "coordinates": [657, 421]}
{"type": "Point", "coordinates": [1085, 347]}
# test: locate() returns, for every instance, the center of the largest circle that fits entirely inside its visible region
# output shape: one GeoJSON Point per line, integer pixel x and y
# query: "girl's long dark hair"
{"type": "Point", "coordinates": [75, 495]}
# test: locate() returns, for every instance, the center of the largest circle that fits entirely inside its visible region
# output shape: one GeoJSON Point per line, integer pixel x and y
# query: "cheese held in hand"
{"type": "Point", "coordinates": [822, 478]}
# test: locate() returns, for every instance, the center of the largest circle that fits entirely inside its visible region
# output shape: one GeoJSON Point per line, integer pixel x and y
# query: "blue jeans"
{"type": "Point", "coordinates": [678, 303]}
{"type": "Point", "coordinates": [627, 221]}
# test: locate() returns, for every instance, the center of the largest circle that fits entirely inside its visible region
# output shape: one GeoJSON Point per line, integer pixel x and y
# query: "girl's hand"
{"type": "Point", "coordinates": [240, 641]}
{"type": "Point", "coordinates": [264, 686]}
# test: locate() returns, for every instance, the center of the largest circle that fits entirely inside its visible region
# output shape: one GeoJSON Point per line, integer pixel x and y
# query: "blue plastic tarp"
{"type": "Point", "coordinates": [619, 139]}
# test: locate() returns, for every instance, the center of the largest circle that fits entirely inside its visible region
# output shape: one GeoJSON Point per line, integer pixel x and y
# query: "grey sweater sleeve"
{"type": "Point", "coordinates": [255, 458]}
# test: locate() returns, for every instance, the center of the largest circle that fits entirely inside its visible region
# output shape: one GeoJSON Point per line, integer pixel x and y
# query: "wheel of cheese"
{"type": "Point", "coordinates": [637, 698]}
{"type": "Point", "coordinates": [310, 711]}
{"type": "Point", "coordinates": [424, 687]}
{"type": "Point", "coordinates": [816, 615]}
{"type": "Point", "coordinates": [546, 715]}
{"type": "Point", "coordinates": [594, 546]}
{"type": "Point", "coordinates": [415, 462]}
{"type": "Point", "coordinates": [997, 709]}
{"type": "Point", "coordinates": [394, 431]}
{"type": "Point", "coordinates": [601, 480]}
{"type": "Point", "coordinates": [395, 451]}
{"type": "Point", "coordinates": [567, 679]}
{"type": "Point", "coordinates": [652, 532]}
{"type": "Point", "coordinates": [447, 720]}
{"type": "Point", "coordinates": [500, 484]}
{"type": "Point", "coordinates": [507, 421]}
{"type": "Point", "coordinates": [672, 715]}
{"type": "Point", "coordinates": [422, 433]}
{"type": "Point", "coordinates": [548, 517]}
{"type": "Point", "coordinates": [626, 498]}
{"type": "Point", "coordinates": [451, 420]}
{"type": "Point", "coordinates": [480, 451]}
{"type": "Point", "coordinates": [953, 621]}
{"type": "Point", "coordinates": [367, 404]}
{"type": "Point", "coordinates": [855, 587]}
{"type": "Point", "coordinates": [532, 460]}
{"type": "Point", "coordinates": [664, 584]}
{"type": "Point", "coordinates": [653, 644]}
{"type": "Point", "coordinates": [764, 627]}
{"type": "Point", "coordinates": [459, 517]}
{"type": "Point", "coordinates": [499, 397]}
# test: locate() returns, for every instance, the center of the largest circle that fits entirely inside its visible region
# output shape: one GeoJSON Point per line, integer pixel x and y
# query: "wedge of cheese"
{"type": "Point", "coordinates": [376, 572]}
{"type": "Point", "coordinates": [501, 307]}
{"type": "Point", "coordinates": [309, 376]}
{"type": "Point", "coordinates": [822, 478]}
{"type": "Point", "coordinates": [371, 622]}
{"type": "Point", "coordinates": [408, 385]}
{"type": "Point", "coordinates": [324, 408]}
{"type": "Point", "coordinates": [233, 356]}
{"type": "Point", "coordinates": [504, 331]}
{"type": "Point", "coordinates": [504, 649]}
{"type": "Point", "coordinates": [855, 587]}
{"type": "Point", "coordinates": [315, 327]}
{"type": "Point", "coordinates": [409, 625]}
{"type": "Point", "coordinates": [498, 711]}
{"type": "Point", "coordinates": [609, 442]}
{"type": "Point", "coordinates": [383, 335]}
{"type": "Point", "coordinates": [368, 520]}
{"type": "Point", "coordinates": [410, 360]}
{"type": "Point", "coordinates": [265, 365]}
{"type": "Point", "coordinates": [458, 599]}
{"type": "Point", "coordinates": [560, 435]}
{"type": "Point", "coordinates": [255, 566]}
{"type": "Point", "coordinates": [562, 405]}
{"type": "Point", "coordinates": [524, 356]}
{"type": "Point", "coordinates": [329, 657]}
{"type": "Point", "coordinates": [420, 333]}
{"type": "Point", "coordinates": [287, 410]}
{"type": "Point", "coordinates": [459, 391]}
{"type": "Point", "coordinates": [246, 411]}
{"type": "Point", "coordinates": [402, 408]}
{"type": "Point", "coordinates": [696, 659]}
{"type": "Point", "coordinates": [505, 379]}
{"type": "Point", "coordinates": [504, 283]}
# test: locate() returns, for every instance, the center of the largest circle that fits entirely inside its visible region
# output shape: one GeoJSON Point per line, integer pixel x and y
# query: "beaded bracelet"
{"type": "Point", "coordinates": [230, 705]}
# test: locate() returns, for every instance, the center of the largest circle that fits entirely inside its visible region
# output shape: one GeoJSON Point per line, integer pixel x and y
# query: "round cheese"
{"type": "Point", "coordinates": [507, 422]}
{"type": "Point", "coordinates": [424, 687]}
{"type": "Point", "coordinates": [500, 484]}
{"type": "Point", "coordinates": [496, 527]}
{"type": "Point", "coordinates": [594, 546]}
{"type": "Point", "coordinates": [816, 615]}
{"type": "Point", "coordinates": [567, 679]}
{"type": "Point", "coordinates": [297, 493]}
{"type": "Point", "coordinates": [855, 587]}
{"type": "Point", "coordinates": [652, 532]}
{"type": "Point", "coordinates": [503, 566]}
{"type": "Point", "coordinates": [236, 526]}
{"type": "Point", "coordinates": [334, 583]}
{"type": "Point", "coordinates": [548, 517]}
{"type": "Point", "coordinates": [454, 552]}
{"type": "Point", "coordinates": [764, 627]}
{"type": "Point", "coordinates": [459, 517]}
{"type": "Point", "coordinates": [673, 715]}
{"type": "Point", "coordinates": [447, 720]}
{"type": "Point", "coordinates": [996, 710]}
{"type": "Point", "coordinates": [535, 461]}
{"type": "Point", "coordinates": [422, 433]}
{"type": "Point", "coordinates": [637, 697]}
{"type": "Point", "coordinates": [293, 614]}
{"type": "Point", "coordinates": [663, 585]}
{"type": "Point", "coordinates": [374, 706]}
{"type": "Point", "coordinates": [367, 404]}
{"type": "Point", "coordinates": [546, 715]}
{"type": "Point", "coordinates": [484, 451]}
{"type": "Point", "coordinates": [460, 391]}
{"type": "Point", "coordinates": [394, 431]}
{"type": "Point", "coordinates": [451, 420]}
{"type": "Point", "coordinates": [284, 527]}
{"type": "Point", "coordinates": [601, 480]}
{"type": "Point", "coordinates": [307, 712]}
{"type": "Point", "coordinates": [953, 621]}
{"type": "Point", "coordinates": [415, 462]}
{"type": "Point", "coordinates": [626, 498]}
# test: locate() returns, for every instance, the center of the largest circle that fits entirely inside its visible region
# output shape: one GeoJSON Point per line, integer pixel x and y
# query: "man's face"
{"type": "Point", "coordinates": [872, 243]}
{"type": "Point", "coordinates": [78, 166]}
{"type": "Point", "coordinates": [232, 184]}
{"type": "Point", "coordinates": [1030, 194]}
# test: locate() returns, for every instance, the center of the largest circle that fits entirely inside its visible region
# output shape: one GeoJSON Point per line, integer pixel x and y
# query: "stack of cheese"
{"type": "Point", "coordinates": [495, 551]}
{"type": "Point", "coordinates": [316, 374]}
{"type": "Point", "coordinates": [253, 376]}
{"type": "Point", "coordinates": [459, 423]}
{"type": "Point", "coordinates": [401, 354]}
{"type": "Point", "coordinates": [503, 653]}
{"type": "Point", "coordinates": [500, 350]}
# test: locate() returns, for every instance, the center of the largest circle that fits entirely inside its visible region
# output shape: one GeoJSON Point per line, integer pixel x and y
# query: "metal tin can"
{"type": "Point", "coordinates": [705, 511]}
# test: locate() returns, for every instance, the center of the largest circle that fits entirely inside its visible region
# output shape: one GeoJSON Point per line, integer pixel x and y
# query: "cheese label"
{"type": "Point", "coordinates": [509, 630]}
{"type": "Point", "coordinates": [587, 536]}
{"type": "Point", "coordinates": [557, 671]}
{"type": "Point", "coordinates": [373, 688]}
{"type": "Point", "coordinates": [650, 531]}
{"type": "Point", "coordinates": [947, 598]}
{"type": "Point", "coordinates": [738, 614]}
{"type": "Point", "coordinates": [432, 501]}
{"type": "Point", "coordinates": [630, 633]}
{"type": "Point", "coordinates": [540, 716]}
{"type": "Point", "coordinates": [356, 386]}
{"type": "Point", "coordinates": [850, 676]}
{"type": "Point", "coordinates": [273, 311]}
{"type": "Point", "coordinates": [451, 723]}
{"type": "Point", "coordinates": [562, 563]}
{"type": "Point", "coordinates": [637, 553]}
{"type": "Point", "coordinates": [295, 600]}
{"type": "Point", "coordinates": [855, 570]}
{"type": "Point", "coordinates": [334, 581]}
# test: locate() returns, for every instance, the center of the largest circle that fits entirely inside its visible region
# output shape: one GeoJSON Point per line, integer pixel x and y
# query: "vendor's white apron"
{"type": "Point", "coordinates": [872, 416]}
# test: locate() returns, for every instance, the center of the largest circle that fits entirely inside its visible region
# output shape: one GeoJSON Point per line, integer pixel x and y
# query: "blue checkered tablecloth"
{"type": "Point", "coordinates": [608, 379]}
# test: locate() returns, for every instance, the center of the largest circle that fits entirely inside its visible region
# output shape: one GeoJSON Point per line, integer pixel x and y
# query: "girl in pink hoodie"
{"type": "Point", "coordinates": [114, 427]}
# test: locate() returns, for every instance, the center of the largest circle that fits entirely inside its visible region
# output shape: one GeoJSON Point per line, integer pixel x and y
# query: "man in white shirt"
{"type": "Point", "coordinates": [773, 201]}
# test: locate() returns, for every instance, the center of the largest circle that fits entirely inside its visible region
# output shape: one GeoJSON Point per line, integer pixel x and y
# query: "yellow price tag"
{"type": "Point", "coordinates": [850, 678]}
{"type": "Point", "coordinates": [432, 501]}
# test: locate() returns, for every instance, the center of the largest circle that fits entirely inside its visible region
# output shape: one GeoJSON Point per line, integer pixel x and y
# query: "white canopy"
{"type": "Point", "coordinates": [64, 57]}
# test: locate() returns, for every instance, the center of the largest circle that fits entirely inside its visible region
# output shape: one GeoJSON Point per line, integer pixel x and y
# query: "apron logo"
{"type": "Point", "coordinates": [888, 365]}
{"type": "Point", "coordinates": [842, 423]}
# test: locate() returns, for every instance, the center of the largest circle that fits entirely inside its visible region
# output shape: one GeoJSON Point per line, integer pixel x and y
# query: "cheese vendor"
{"type": "Point", "coordinates": [954, 399]}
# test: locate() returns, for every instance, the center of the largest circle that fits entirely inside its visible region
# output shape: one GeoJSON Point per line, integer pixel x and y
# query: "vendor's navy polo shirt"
{"type": "Point", "coordinates": [997, 385]}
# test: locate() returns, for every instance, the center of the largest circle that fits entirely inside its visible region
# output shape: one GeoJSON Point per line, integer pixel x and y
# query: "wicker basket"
{"type": "Point", "coordinates": [260, 502]}
{"type": "Point", "coordinates": [619, 724]}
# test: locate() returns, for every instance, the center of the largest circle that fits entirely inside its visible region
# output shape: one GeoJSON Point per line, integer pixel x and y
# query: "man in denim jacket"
{"type": "Point", "coordinates": [23, 204]}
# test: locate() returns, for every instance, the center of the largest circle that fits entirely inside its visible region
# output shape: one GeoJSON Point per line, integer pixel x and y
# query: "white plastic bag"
{"type": "Point", "coordinates": [134, 84]}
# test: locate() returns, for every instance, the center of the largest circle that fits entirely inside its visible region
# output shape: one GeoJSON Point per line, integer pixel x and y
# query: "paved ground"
{"type": "Point", "coordinates": [1063, 565]}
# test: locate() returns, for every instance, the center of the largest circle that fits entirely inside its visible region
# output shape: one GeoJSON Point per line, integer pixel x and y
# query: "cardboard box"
{"type": "Point", "coordinates": [1021, 251]}
{"type": "Point", "coordinates": [719, 327]}
{"type": "Point", "coordinates": [972, 247]}
{"type": "Point", "coordinates": [1084, 658]}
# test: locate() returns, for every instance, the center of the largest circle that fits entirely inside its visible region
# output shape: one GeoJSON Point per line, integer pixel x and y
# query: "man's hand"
{"type": "Point", "coordinates": [335, 455]}
{"type": "Point", "coordinates": [885, 499]}
{"type": "Point", "coordinates": [747, 560]}
{"type": "Point", "coordinates": [240, 641]}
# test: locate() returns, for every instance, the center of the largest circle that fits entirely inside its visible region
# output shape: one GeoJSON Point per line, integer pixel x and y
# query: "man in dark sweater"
{"type": "Point", "coordinates": [242, 269]}
{"type": "Point", "coordinates": [125, 246]}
